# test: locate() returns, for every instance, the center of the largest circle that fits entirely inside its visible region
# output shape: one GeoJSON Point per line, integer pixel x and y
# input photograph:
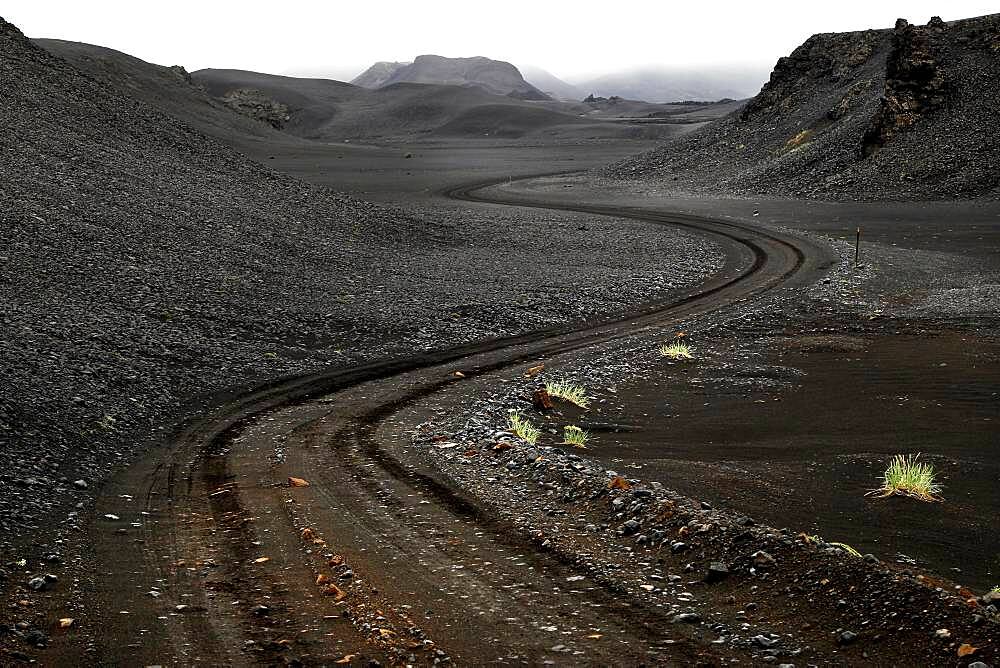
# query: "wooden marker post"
{"type": "Point", "coordinates": [857, 248]}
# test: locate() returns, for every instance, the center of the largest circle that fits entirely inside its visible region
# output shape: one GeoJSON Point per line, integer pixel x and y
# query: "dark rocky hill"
{"type": "Point", "coordinates": [493, 76]}
{"type": "Point", "coordinates": [169, 89]}
{"type": "Point", "coordinates": [305, 104]}
{"type": "Point", "coordinates": [906, 113]}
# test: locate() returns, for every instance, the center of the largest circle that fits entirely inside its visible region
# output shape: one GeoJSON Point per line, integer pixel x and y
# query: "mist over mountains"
{"type": "Point", "coordinates": [650, 84]}
{"type": "Point", "coordinates": [676, 84]}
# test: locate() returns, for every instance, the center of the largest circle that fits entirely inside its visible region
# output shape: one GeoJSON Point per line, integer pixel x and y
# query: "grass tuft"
{"type": "Point", "coordinates": [676, 350]}
{"type": "Point", "coordinates": [523, 429]}
{"type": "Point", "coordinates": [907, 476]}
{"type": "Point", "coordinates": [816, 540]}
{"type": "Point", "coordinates": [847, 548]}
{"type": "Point", "coordinates": [575, 394]}
{"type": "Point", "coordinates": [573, 435]}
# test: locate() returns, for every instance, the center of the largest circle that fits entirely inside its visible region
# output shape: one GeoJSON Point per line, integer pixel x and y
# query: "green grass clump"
{"type": "Point", "coordinates": [847, 548]}
{"type": "Point", "coordinates": [523, 429]}
{"type": "Point", "coordinates": [906, 476]}
{"type": "Point", "coordinates": [573, 435]}
{"type": "Point", "coordinates": [816, 540]}
{"type": "Point", "coordinates": [676, 350]}
{"type": "Point", "coordinates": [575, 394]}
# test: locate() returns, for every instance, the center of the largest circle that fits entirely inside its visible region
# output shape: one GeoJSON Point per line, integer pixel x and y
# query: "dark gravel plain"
{"type": "Point", "coordinates": [146, 266]}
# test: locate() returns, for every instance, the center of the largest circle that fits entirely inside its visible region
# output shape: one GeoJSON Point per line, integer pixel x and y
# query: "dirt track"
{"type": "Point", "coordinates": [197, 515]}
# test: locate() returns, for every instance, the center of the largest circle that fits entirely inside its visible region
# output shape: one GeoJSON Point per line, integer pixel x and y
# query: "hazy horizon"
{"type": "Point", "coordinates": [571, 42]}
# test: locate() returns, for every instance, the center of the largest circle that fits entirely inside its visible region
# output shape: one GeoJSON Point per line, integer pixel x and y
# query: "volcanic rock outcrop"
{"type": "Point", "coordinates": [907, 113]}
{"type": "Point", "coordinates": [255, 104]}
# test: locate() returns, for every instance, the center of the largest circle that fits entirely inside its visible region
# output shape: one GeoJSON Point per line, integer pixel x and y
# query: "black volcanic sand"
{"type": "Point", "coordinates": [400, 173]}
{"type": "Point", "coordinates": [842, 407]}
{"type": "Point", "coordinates": [968, 227]}
{"type": "Point", "coordinates": [804, 454]}
{"type": "Point", "coordinates": [822, 445]}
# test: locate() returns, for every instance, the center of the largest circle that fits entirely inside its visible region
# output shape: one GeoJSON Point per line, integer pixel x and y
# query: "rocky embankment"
{"type": "Point", "coordinates": [900, 114]}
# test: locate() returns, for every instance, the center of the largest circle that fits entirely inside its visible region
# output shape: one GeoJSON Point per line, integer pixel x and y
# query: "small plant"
{"type": "Point", "coordinates": [573, 435]}
{"type": "Point", "coordinates": [817, 540]}
{"type": "Point", "coordinates": [995, 590]}
{"type": "Point", "coordinates": [523, 429]}
{"type": "Point", "coordinates": [575, 394]}
{"type": "Point", "coordinates": [676, 350]}
{"type": "Point", "coordinates": [847, 548]}
{"type": "Point", "coordinates": [906, 476]}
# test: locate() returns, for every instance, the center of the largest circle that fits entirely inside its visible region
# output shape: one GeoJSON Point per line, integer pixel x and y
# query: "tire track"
{"type": "Point", "coordinates": [234, 477]}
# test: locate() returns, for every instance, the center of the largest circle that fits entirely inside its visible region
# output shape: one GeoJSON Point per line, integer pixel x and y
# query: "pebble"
{"type": "Point", "coordinates": [762, 559]}
{"type": "Point", "coordinates": [717, 572]}
{"type": "Point", "coordinates": [687, 618]}
{"type": "Point", "coordinates": [847, 637]}
{"type": "Point", "coordinates": [38, 584]}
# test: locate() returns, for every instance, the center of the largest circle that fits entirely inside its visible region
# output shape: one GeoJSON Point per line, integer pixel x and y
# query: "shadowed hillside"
{"type": "Point", "coordinates": [143, 263]}
{"type": "Point", "coordinates": [169, 89]}
{"type": "Point", "coordinates": [907, 113]}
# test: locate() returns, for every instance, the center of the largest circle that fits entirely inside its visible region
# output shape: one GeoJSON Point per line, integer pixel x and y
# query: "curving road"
{"type": "Point", "coordinates": [217, 560]}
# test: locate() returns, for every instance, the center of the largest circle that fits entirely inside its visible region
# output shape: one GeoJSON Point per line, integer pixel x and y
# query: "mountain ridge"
{"type": "Point", "coordinates": [493, 76]}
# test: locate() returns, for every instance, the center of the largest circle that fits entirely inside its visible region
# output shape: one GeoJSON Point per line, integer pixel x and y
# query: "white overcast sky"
{"type": "Point", "coordinates": [571, 39]}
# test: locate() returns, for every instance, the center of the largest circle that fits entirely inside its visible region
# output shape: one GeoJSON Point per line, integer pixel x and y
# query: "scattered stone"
{"type": "Point", "coordinates": [762, 559]}
{"type": "Point", "coordinates": [717, 572]}
{"type": "Point", "coordinates": [541, 400]}
{"type": "Point", "coordinates": [991, 598]}
{"type": "Point", "coordinates": [846, 637]}
{"type": "Point", "coordinates": [687, 618]}
{"type": "Point", "coordinates": [36, 638]}
{"type": "Point", "coordinates": [80, 484]}
{"type": "Point", "coordinates": [765, 642]}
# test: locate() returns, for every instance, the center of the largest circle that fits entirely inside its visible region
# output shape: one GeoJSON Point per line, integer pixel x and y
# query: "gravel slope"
{"type": "Point", "coordinates": [901, 114]}
{"type": "Point", "coordinates": [146, 265]}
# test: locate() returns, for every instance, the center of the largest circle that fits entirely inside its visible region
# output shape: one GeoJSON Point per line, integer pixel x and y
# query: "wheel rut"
{"type": "Point", "coordinates": [379, 557]}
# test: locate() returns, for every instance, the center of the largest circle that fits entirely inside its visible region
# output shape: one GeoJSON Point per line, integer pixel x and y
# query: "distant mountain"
{"type": "Point", "coordinates": [492, 76]}
{"type": "Point", "coordinates": [552, 85]}
{"type": "Point", "coordinates": [332, 110]}
{"type": "Point", "coordinates": [378, 74]}
{"type": "Point", "coordinates": [660, 84]}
